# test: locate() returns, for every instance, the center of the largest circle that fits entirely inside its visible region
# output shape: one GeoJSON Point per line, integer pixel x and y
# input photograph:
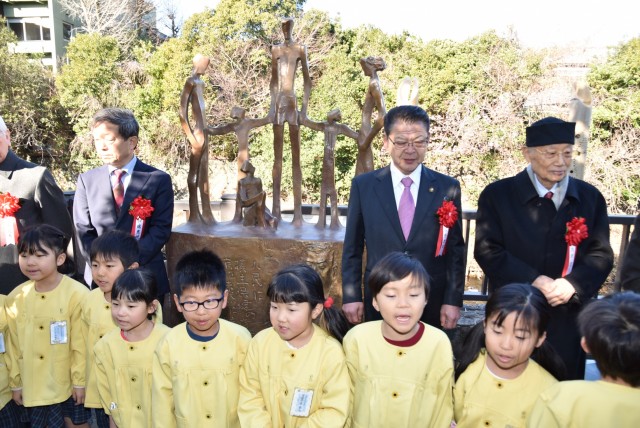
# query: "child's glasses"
{"type": "Point", "coordinates": [207, 304]}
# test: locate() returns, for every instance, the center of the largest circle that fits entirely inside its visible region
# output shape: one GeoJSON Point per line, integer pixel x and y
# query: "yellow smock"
{"type": "Point", "coordinates": [273, 373]}
{"type": "Point", "coordinates": [195, 384]}
{"type": "Point", "coordinates": [396, 386]}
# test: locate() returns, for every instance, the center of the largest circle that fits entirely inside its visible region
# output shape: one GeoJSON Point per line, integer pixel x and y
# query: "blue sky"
{"type": "Point", "coordinates": [537, 23]}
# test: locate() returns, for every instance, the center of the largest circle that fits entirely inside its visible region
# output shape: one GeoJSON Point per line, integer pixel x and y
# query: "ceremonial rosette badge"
{"type": "Point", "coordinates": [141, 210]}
{"type": "Point", "coordinates": [577, 232]}
{"type": "Point", "coordinates": [9, 206]}
{"type": "Point", "coordinates": [447, 217]}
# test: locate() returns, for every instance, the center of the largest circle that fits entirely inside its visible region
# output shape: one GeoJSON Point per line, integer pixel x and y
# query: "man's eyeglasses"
{"type": "Point", "coordinates": [420, 143]}
{"type": "Point", "coordinates": [207, 304]}
{"type": "Point", "coordinates": [553, 154]}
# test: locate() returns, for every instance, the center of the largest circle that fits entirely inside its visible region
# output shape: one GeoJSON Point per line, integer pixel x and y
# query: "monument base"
{"type": "Point", "coordinates": [252, 256]}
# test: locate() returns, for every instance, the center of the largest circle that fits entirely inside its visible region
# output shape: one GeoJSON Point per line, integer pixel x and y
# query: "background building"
{"type": "Point", "coordinates": [42, 28]}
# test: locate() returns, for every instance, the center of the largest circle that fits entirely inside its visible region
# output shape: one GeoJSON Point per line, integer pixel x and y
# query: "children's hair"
{"type": "Point", "coordinates": [136, 285]}
{"type": "Point", "coordinates": [116, 245]}
{"type": "Point", "coordinates": [611, 330]}
{"type": "Point", "coordinates": [200, 269]}
{"type": "Point", "coordinates": [45, 238]}
{"type": "Point", "coordinates": [301, 284]}
{"type": "Point", "coordinates": [394, 267]}
{"type": "Point", "coordinates": [530, 306]}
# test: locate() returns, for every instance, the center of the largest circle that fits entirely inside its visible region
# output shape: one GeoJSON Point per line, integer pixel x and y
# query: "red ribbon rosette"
{"type": "Point", "coordinates": [577, 232]}
{"type": "Point", "coordinates": [447, 217]}
{"type": "Point", "coordinates": [9, 206]}
{"type": "Point", "coordinates": [141, 209]}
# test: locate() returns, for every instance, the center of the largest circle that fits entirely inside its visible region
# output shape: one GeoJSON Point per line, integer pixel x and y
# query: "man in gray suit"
{"type": "Point", "coordinates": [40, 200]}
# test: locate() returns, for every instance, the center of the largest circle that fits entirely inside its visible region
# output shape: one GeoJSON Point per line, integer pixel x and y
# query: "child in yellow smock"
{"type": "Point", "coordinates": [9, 410]}
{"type": "Point", "coordinates": [295, 373]}
{"type": "Point", "coordinates": [498, 378]}
{"type": "Point", "coordinates": [124, 356]}
{"type": "Point", "coordinates": [610, 329]}
{"type": "Point", "coordinates": [46, 348]}
{"type": "Point", "coordinates": [401, 369]}
{"type": "Point", "coordinates": [111, 254]}
{"type": "Point", "coordinates": [197, 364]}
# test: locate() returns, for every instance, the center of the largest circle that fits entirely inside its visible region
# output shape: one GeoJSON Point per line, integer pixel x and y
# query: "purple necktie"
{"type": "Point", "coordinates": [118, 189]}
{"type": "Point", "coordinates": [407, 207]}
{"type": "Point", "coordinates": [548, 195]}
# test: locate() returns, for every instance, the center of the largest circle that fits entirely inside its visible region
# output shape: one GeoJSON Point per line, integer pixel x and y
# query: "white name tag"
{"type": "Point", "coordinates": [301, 404]}
{"type": "Point", "coordinates": [59, 332]}
{"type": "Point", "coordinates": [2, 350]}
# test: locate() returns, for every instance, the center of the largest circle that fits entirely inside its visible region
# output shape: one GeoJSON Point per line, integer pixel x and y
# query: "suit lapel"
{"type": "Point", "coordinates": [104, 190]}
{"type": "Point", "coordinates": [386, 197]}
{"type": "Point", "coordinates": [427, 200]}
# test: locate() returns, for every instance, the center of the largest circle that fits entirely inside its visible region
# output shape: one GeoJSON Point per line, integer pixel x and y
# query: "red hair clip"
{"type": "Point", "coordinates": [328, 302]}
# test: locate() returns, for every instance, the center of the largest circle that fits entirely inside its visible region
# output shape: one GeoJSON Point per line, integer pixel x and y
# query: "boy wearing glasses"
{"type": "Point", "coordinates": [522, 234]}
{"type": "Point", "coordinates": [196, 365]}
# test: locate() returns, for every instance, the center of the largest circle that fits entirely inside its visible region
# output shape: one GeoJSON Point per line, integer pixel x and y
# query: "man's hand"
{"type": "Point", "coordinates": [544, 284]}
{"type": "Point", "coordinates": [561, 292]}
{"type": "Point", "coordinates": [449, 316]}
{"type": "Point", "coordinates": [353, 311]}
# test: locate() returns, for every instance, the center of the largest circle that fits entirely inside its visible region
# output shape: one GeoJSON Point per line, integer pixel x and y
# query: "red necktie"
{"type": "Point", "coordinates": [548, 195]}
{"type": "Point", "coordinates": [118, 189]}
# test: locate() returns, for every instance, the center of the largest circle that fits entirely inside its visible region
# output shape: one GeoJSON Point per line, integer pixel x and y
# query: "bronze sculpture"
{"type": "Point", "coordinates": [198, 178]}
{"type": "Point", "coordinates": [331, 129]}
{"type": "Point", "coordinates": [241, 126]}
{"type": "Point", "coordinates": [284, 63]}
{"type": "Point", "coordinates": [252, 198]}
{"type": "Point", "coordinates": [374, 98]}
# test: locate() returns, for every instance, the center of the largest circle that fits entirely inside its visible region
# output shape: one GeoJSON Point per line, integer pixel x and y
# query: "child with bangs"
{"type": "Point", "coordinates": [123, 357]}
{"type": "Point", "coordinates": [46, 350]}
{"type": "Point", "coordinates": [111, 254]}
{"type": "Point", "coordinates": [505, 361]}
{"type": "Point", "coordinates": [610, 329]}
{"type": "Point", "coordinates": [197, 364]}
{"type": "Point", "coordinates": [401, 368]}
{"type": "Point", "coordinates": [295, 373]}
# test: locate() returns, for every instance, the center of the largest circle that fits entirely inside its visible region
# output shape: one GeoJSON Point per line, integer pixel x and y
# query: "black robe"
{"type": "Point", "coordinates": [520, 236]}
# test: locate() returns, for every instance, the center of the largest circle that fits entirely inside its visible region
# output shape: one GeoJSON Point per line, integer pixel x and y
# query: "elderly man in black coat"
{"type": "Point", "coordinates": [40, 200]}
{"type": "Point", "coordinates": [548, 229]}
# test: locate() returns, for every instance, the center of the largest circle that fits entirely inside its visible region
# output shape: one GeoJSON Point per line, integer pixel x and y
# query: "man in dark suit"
{"type": "Point", "coordinates": [377, 220]}
{"type": "Point", "coordinates": [41, 201]}
{"type": "Point", "coordinates": [521, 234]}
{"type": "Point", "coordinates": [105, 195]}
{"type": "Point", "coordinates": [630, 273]}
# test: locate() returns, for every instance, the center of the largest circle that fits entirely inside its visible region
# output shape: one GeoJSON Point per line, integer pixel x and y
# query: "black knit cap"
{"type": "Point", "coordinates": [550, 130]}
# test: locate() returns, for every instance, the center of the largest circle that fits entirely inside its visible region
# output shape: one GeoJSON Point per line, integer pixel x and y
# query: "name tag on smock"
{"type": "Point", "coordinates": [301, 404]}
{"type": "Point", "coordinates": [2, 351]}
{"type": "Point", "coordinates": [59, 332]}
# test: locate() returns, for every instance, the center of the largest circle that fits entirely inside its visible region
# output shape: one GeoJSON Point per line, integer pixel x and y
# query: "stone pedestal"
{"type": "Point", "coordinates": [252, 256]}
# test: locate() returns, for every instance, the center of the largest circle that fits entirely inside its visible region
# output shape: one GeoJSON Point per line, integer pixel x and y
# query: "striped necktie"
{"type": "Point", "coordinates": [118, 189]}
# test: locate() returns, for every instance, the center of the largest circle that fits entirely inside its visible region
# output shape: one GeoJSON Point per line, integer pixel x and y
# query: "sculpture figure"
{"type": "Point", "coordinates": [251, 198]}
{"type": "Point", "coordinates": [241, 126]}
{"type": "Point", "coordinates": [407, 94]}
{"type": "Point", "coordinates": [284, 63]}
{"type": "Point", "coordinates": [198, 178]}
{"type": "Point", "coordinates": [331, 129]}
{"type": "Point", "coordinates": [374, 98]}
{"type": "Point", "coordinates": [580, 113]}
